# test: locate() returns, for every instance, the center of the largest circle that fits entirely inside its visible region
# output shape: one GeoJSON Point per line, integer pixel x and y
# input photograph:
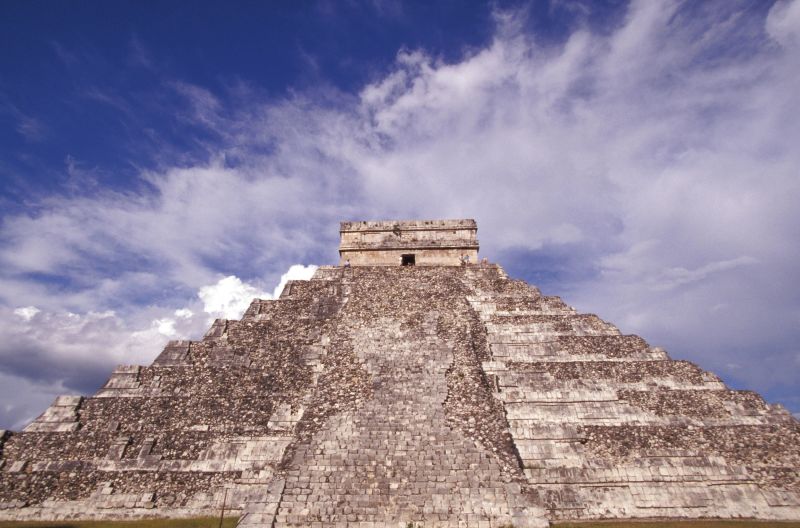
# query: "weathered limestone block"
{"type": "Point", "coordinates": [261, 508]}
{"type": "Point", "coordinates": [285, 418]}
{"type": "Point", "coordinates": [18, 466]}
{"type": "Point", "coordinates": [61, 416]}
{"type": "Point", "coordinates": [227, 355]}
{"type": "Point", "coordinates": [117, 449]}
{"type": "Point", "coordinates": [124, 382]}
{"type": "Point", "coordinates": [218, 330]}
{"type": "Point", "coordinates": [176, 353]}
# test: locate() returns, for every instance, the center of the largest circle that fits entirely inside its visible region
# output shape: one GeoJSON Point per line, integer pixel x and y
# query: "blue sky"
{"type": "Point", "coordinates": [162, 163]}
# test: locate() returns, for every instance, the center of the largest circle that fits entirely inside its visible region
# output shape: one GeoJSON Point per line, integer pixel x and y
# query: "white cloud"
{"type": "Point", "coordinates": [165, 327]}
{"type": "Point", "coordinates": [27, 312]}
{"type": "Point", "coordinates": [184, 313]}
{"type": "Point", "coordinates": [229, 297]}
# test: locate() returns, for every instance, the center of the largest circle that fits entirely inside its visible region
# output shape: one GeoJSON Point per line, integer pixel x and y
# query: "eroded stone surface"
{"type": "Point", "coordinates": [408, 242]}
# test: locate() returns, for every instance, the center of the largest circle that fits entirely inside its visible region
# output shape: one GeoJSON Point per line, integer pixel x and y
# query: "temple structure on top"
{"type": "Point", "coordinates": [408, 242]}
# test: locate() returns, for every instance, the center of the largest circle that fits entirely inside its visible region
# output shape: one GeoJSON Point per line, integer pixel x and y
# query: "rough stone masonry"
{"type": "Point", "coordinates": [383, 394]}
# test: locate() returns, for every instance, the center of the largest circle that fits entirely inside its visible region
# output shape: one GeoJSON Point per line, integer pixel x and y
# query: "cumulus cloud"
{"type": "Point", "coordinates": [27, 312]}
{"type": "Point", "coordinates": [184, 313]}
{"type": "Point", "coordinates": [229, 297]}
{"type": "Point", "coordinates": [648, 172]}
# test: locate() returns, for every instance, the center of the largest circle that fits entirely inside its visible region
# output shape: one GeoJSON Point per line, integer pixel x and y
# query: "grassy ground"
{"type": "Point", "coordinates": [206, 522]}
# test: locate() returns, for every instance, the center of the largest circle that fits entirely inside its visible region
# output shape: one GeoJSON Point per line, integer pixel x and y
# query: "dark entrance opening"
{"type": "Point", "coordinates": [407, 260]}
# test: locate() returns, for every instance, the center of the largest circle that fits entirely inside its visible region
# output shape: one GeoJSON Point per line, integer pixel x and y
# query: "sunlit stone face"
{"type": "Point", "coordinates": [410, 242]}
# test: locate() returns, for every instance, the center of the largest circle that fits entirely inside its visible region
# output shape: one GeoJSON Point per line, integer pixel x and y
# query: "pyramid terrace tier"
{"type": "Point", "coordinates": [578, 395]}
{"type": "Point", "coordinates": [382, 395]}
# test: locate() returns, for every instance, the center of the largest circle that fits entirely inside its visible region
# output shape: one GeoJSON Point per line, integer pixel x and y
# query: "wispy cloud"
{"type": "Point", "coordinates": [139, 54]}
{"type": "Point", "coordinates": [29, 127]}
{"type": "Point", "coordinates": [66, 56]}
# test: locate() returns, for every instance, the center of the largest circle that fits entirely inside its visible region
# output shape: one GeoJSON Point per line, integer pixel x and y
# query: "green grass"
{"type": "Point", "coordinates": [203, 522]}
{"type": "Point", "coordinates": [679, 524]}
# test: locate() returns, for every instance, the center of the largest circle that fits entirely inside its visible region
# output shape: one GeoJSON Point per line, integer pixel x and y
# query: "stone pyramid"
{"type": "Point", "coordinates": [439, 392]}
